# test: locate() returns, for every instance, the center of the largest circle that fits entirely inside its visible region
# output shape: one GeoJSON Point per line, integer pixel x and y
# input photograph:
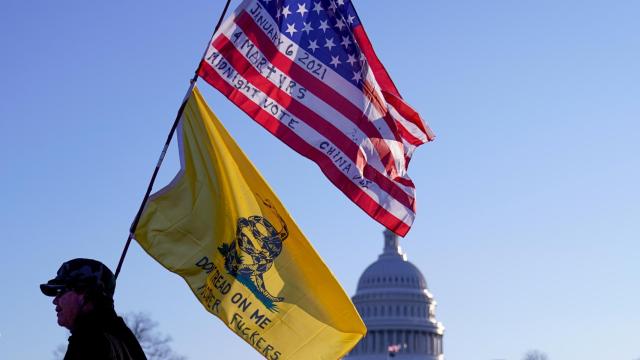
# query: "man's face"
{"type": "Point", "coordinates": [68, 306]}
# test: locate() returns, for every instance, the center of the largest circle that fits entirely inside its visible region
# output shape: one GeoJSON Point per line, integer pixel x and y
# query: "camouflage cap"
{"type": "Point", "coordinates": [81, 274]}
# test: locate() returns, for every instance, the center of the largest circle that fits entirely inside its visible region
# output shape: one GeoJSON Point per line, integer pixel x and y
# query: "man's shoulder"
{"type": "Point", "coordinates": [102, 345]}
{"type": "Point", "coordinates": [92, 344]}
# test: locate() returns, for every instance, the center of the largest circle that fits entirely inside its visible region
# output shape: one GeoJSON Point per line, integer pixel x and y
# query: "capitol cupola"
{"type": "Point", "coordinates": [397, 308]}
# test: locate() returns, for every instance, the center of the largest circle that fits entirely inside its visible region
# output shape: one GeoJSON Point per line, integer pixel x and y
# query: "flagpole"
{"type": "Point", "coordinates": [192, 83]}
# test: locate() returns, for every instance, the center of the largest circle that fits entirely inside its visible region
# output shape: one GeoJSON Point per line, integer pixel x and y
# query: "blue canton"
{"type": "Point", "coordinates": [324, 28]}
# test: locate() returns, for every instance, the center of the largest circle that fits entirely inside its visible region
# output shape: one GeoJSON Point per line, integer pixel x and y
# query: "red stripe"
{"type": "Point", "coordinates": [410, 114]}
{"type": "Point", "coordinates": [386, 84]}
{"type": "Point", "coordinates": [320, 89]}
{"type": "Point", "coordinates": [270, 123]}
{"type": "Point", "coordinates": [406, 182]}
{"type": "Point", "coordinates": [379, 72]}
{"type": "Point", "coordinates": [408, 136]}
{"type": "Point", "coordinates": [380, 105]}
{"type": "Point", "coordinates": [328, 130]}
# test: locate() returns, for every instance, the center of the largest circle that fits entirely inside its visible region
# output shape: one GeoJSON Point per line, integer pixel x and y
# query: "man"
{"type": "Point", "coordinates": [83, 295]}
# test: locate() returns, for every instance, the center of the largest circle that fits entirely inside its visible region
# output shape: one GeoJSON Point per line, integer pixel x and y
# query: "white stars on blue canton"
{"type": "Point", "coordinates": [346, 41]}
{"type": "Point", "coordinates": [324, 26]}
{"type": "Point", "coordinates": [324, 29]}
{"type": "Point", "coordinates": [307, 27]}
{"type": "Point", "coordinates": [329, 44]}
{"type": "Point", "coordinates": [291, 28]}
{"type": "Point", "coordinates": [317, 7]}
{"type": "Point", "coordinates": [302, 8]}
{"type": "Point", "coordinates": [335, 61]}
{"type": "Point", "coordinates": [313, 45]}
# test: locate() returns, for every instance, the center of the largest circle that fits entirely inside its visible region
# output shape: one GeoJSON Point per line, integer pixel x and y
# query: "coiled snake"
{"type": "Point", "coordinates": [256, 245]}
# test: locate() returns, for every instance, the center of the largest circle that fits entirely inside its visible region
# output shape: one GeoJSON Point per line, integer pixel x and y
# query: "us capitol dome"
{"type": "Point", "coordinates": [397, 308]}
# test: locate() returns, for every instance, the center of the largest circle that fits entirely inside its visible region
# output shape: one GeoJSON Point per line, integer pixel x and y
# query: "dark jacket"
{"type": "Point", "coordinates": [103, 336]}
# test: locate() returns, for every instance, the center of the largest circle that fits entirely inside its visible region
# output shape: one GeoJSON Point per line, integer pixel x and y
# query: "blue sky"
{"type": "Point", "coordinates": [528, 216]}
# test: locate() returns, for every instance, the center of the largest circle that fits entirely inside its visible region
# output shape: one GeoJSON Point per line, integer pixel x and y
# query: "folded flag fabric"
{"type": "Point", "coordinates": [219, 225]}
{"type": "Point", "coordinates": [306, 71]}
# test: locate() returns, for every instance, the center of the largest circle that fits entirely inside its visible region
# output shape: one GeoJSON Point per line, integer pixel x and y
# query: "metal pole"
{"type": "Point", "coordinates": [192, 83]}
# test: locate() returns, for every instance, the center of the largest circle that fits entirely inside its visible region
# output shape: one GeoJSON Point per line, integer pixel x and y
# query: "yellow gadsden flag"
{"type": "Point", "coordinates": [221, 227]}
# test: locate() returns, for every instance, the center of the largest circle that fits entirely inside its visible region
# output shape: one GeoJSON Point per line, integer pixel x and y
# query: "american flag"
{"type": "Point", "coordinates": [394, 349]}
{"type": "Point", "coordinates": [306, 71]}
